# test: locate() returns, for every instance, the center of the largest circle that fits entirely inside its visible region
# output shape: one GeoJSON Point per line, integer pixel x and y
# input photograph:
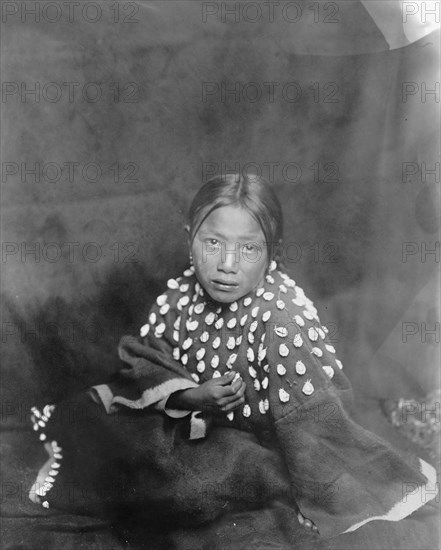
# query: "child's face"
{"type": "Point", "coordinates": [229, 254]}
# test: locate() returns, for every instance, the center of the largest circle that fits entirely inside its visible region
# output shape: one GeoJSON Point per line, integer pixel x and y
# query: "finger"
{"type": "Point", "coordinates": [233, 405]}
{"type": "Point", "coordinates": [226, 378]}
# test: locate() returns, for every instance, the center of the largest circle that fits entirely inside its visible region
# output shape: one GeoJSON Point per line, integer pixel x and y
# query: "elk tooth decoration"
{"type": "Point", "coordinates": [214, 361]}
{"type": "Point", "coordinates": [200, 367]}
{"type": "Point", "coordinates": [270, 279]}
{"type": "Point", "coordinates": [172, 284]}
{"type": "Point", "coordinates": [160, 300]}
{"type": "Point", "coordinates": [283, 289]}
{"type": "Point", "coordinates": [187, 343]}
{"type": "Point", "coordinates": [256, 384]}
{"type": "Point", "coordinates": [322, 333]}
{"type": "Point", "coordinates": [265, 383]}
{"type": "Point", "coordinates": [290, 282]}
{"type": "Point", "coordinates": [209, 318]}
{"type": "Point", "coordinates": [281, 331]}
{"type": "Point", "coordinates": [190, 310]}
{"type": "Point", "coordinates": [281, 371]}
{"type": "Point", "coordinates": [283, 350]}
{"type": "Point", "coordinates": [247, 301]}
{"type": "Point", "coordinates": [250, 355]}
{"type": "Point", "coordinates": [192, 325]}
{"type": "Point", "coordinates": [184, 287]}
{"type": "Point", "coordinates": [233, 307]}
{"type": "Point", "coordinates": [200, 354]}
{"type": "Point", "coordinates": [144, 330]}
{"type": "Point", "coordinates": [329, 370]}
{"type": "Point", "coordinates": [339, 364]}
{"type": "Point", "coordinates": [252, 371]}
{"type": "Point", "coordinates": [261, 354]}
{"type": "Point", "coordinates": [280, 304]}
{"type": "Point", "coordinates": [243, 320]}
{"type": "Point", "coordinates": [219, 323]}
{"type": "Point", "coordinates": [204, 337]}
{"type": "Point", "coordinates": [216, 342]}
{"type": "Point", "coordinates": [266, 367]}
{"type": "Point", "coordinates": [317, 351]}
{"type": "Point", "coordinates": [160, 329]}
{"type": "Point", "coordinates": [313, 334]}
{"type": "Point", "coordinates": [260, 291]}
{"type": "Point", "coordinates": [238, 340]}
{"type": "Point", "coordinates": [231, 360]}
{"type": "Point", "coordinates": [176, 336]}
{"type": "Point", "coordinates": [298, 342]}
{"type": "Point", "coordinates": [262, 407]}
{"type": "Point", "coordinates": [195, 377]}
{"type": "Point", "coordinates": [283, 396]}
{"type": "Point", "coordinates": [230, 416]}
{"type": "Point", "coordinates": [325, 329]}
{"type": "Point", "coordinates": [299, 321]}
{"type": "Point", "coordinates": [232, 322]}
{"type": "Point", "coordinates": [298, 301]}
{"type": "Point", "coordinates": [266, 316]}
{"type": "Point", "coordinates": [330, 348]}
{"type": "Point", "coordinates": [246, 411]}
{"type": "Point", "coordinates": [152, 318]}
{"type": "Point", "coordinates": [216, 374]}
{"type": "Point", "coordinates": [164, 309]}
{"type": "Point", "coordinates": [184, 300]}
{"type": "Point", "coordinates": [188, 272]}
{"type": "Point", "coordinates": [268, 296]}
{"type": "Point", "coordinates": [255, 311]}
{"type": "Point", "coordinates": [176, 354]}
{"type": "Point", "coordinates": [308, 315]}
{"type": "Point", "coordinates": [184, 359]}
{"type": "Point", "coordinates": [231, 343]}
{"type": "Point", "coordinates": [177, 323]}
{"type": "Point", "coordinates": [308, 388]}
{"type": "Point", "coordinates": [300, 368]}
{"type": "Point", "coordinates": [253, 326]}
{"type": "Point", "coordinates": [199, 308]}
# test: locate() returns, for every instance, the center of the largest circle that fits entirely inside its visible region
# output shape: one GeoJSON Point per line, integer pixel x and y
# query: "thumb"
{"type": "Point", "coordinates": [226, 378]}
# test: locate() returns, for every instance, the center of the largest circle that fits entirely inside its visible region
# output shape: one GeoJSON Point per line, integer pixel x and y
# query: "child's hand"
{"type": "Point", "coordinates": [218, 395]}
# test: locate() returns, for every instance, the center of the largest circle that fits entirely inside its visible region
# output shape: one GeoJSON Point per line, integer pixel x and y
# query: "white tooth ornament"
{"type": "Point", "coordinates": [200, 354]}
{"type": "Point", "coordinates": [42, 437]}
{"type": "Point", "coordinates": [230, 416]}
{"type": "Point", "coordinates": [216, 374]}
{"type": "Point", "coordinates": [160, 300]}
{"type": "Point", "coordinates": [308, 315]}
{"type": "Point", "coordinates": [219, 323]}
{"type": "Point", "coordinates": [238, 340]}
{"type": "Point", "coordinates": [192, 325]}
{"type": "Point", "coordinates": [281, 331]}
{"type": "Point", "coordinates": [261, 355]}
{"type": "Point", "coordinates": [199, 308]}
{"type": "Point", "coordinates": [283, 289]}
{"type": "Point", "coordinates": [176, 336]}
{"type": "Point", "coordinates": [209, 318]}
{"type": "Point", "coordinates": [53, 472]}
{"type": "Point", "coordinates": [252, 371]}
{"type": "Point", "coordinates": [204, 337]}
{"type": "Point", "coordinates": [300, 368]}
{"type": "Point", "coordinates": [283, 396]}
{"type": "Point", "coordinates": [188, 272]}
{"type": "Point", "coordinates": [232, 322]}
{"type": "Point", "coordinates": [200, 367]}
{"type": "Point", "coordinates": [260, 291]}
{"type": "Point", "coordinates": [322, 333]}
{"type": "Point", "coordinates": [195, 377]}
{"type": "Point", "coordinates": [266, 316]}
{"type": "Point", "coordinates": [280, 304]}
{"type": "Point", "coordinates": [216, 342]}
{"type": "Point", "coordinates": [262, 407]}
{"type": "Point", "coordinates": [317, 351]}
{"type": "Point", "coordinates": [339, 363]}
{"type": "Point", "coordinates": [330, 348]}
{"type": "Point", "coordinates": [253, 326]}
{"type": "Point", "coordinates": [325, 329]}
{"type": "Point", "coordinates": [184, 287]}
{"type": "Point", "coordinates": [329, 370]}
{"type": "Point", "coordinates": [243, 320]}
{"type": "Point", "coordinates": [265, 383]}
{"type": "Point", "coordinates": [246, 411]}
{"type": "Point", "coordinates": [197, 286]}
{"type": "Point", "coordinates": [233, 306]}
{"type": "Point", "coordinates": [250, 355]}
{"type": "Point", "coordinates": [144, 330]}
{"type": "Point", "coordinates": [184, 300]}
{"type": "Point", "coordinates": [250, 338]}
{"type": "Point", "coordinates": [266, 367]}
{"type": "Point", "coordinates": [290, 282]}
{"type": "Point", "coordinates": [187, 343]}
{"type": "Point", "coordinates": [231, 342]}
{"type": "Point", "coordinates": [299, 320]}
{"type": "Point", "coordinates": [152, 318]}
{"type": "Point", "coordinates": [281, 371]}
{"type": "Point", "coordinates": [184, 359]}
{"type": "Point", "coordinates": [283, 350]}
{"type": "Point", "coordinates": [247, 301]}
{"type": "Point", "coordinates": [55, 464]}
{"type": "Point", "coordinates": [308, 388]}
{"type": "Point", "coordinates": [160, 329]}
{"type": "Point", "coordinates": [313, 334]}
{"type": "Point", "coordinates": [298, 301]}
{"type": "Point", "coordinates": [256, 384]}
{"type": "Point", "coordinates": [45, 504]}
{"type": "Point", "coordinates": [164, 309]}
{"type": "Point", "coordinates": [172, 284]}
{"type": "Point", "coordinates": [231, 360]}
{"type": "Point", "coordinates": [177, 323]}
{"type": "Point", "coordinates": [176, 354]}
{"type": "Point", "coordinates": [255, 311]}
{"type": "Point", "coordinates": [268, 296]}
{"type": "Point", "coordinates": [214, 361]}
{"type": "Point", "coordinates": [298, 342]}
{"type": "Point", "coordinates": [270, 279]}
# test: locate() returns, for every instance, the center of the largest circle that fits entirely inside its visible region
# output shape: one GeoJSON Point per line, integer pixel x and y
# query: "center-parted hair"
{"type": "Point", "coordinates": [252, 193]}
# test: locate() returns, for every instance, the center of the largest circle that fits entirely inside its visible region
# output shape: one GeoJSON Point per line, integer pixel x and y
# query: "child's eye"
{"type": "Point", "coordinates": [251, 247]}
{"type": "Point", "coordinates": [214, 242]}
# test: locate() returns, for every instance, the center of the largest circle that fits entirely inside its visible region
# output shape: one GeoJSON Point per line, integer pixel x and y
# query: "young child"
{"type": "Point", "coordinates": [232, 383]}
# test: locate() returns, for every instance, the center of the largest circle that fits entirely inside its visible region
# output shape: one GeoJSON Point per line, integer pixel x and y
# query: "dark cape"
{"type": "Point", "coordinates": [119, 450]}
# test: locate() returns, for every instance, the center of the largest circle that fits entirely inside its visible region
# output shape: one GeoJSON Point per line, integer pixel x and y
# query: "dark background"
{"type": "Point", "coordinates": [63, 317]}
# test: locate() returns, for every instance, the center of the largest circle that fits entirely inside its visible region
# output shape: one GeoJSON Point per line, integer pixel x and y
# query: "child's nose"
{"type": "Point", "coordinates": [229, 258]}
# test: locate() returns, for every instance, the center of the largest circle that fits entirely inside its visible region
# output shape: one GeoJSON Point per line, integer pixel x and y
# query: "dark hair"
{"type": "Point", "coordinates": [253, 193]}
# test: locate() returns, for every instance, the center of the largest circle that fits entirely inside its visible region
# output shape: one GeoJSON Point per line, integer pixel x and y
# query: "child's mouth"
{"type": "Point", "coordinates": [224, 285]}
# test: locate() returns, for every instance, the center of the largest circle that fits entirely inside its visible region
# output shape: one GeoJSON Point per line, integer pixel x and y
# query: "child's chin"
{"type": "Point", "coordinates": [224, 297]}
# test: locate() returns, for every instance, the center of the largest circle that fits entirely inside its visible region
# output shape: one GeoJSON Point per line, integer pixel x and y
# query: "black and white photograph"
{"type": "Point", "coordinates": [220, 300]}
